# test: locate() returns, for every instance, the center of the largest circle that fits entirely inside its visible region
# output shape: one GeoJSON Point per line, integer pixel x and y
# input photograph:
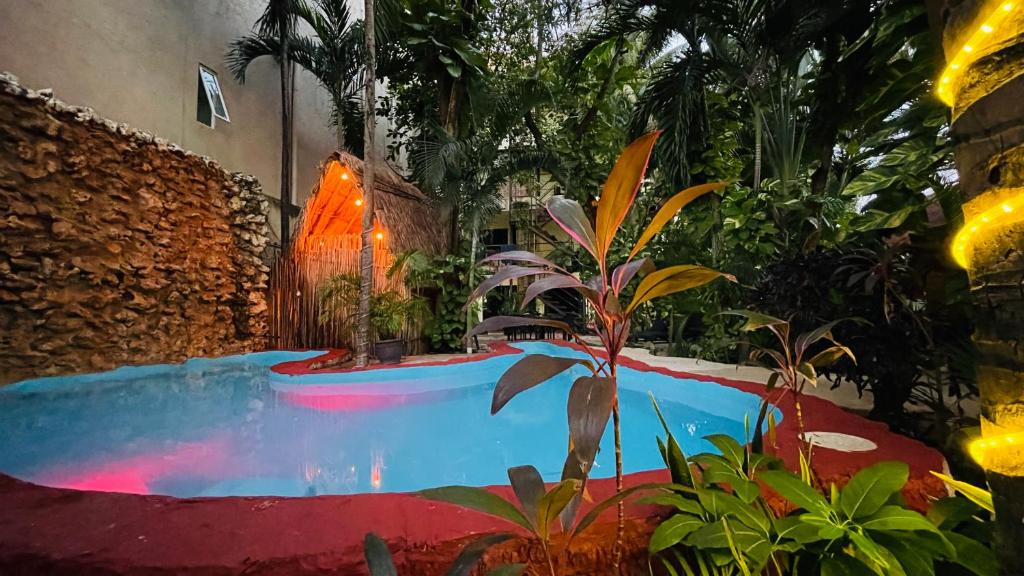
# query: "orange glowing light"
{"type": "Point", "coordinates": [335, 210]}
{"type": "Point", "coordinates": [986, 214]}
{"type": "Point", "coordinates": [377, 471]}
{"type": "Point", "coordinates": [985, 35]}
{"type": "Point", "coordinates": [380, 235]}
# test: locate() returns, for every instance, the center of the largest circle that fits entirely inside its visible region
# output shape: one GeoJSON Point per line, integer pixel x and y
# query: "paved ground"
{"type": "Point", "coordinates": [844, 396]}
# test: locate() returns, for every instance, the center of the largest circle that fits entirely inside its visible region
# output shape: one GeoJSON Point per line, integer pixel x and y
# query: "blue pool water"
{"type": "Point", "coordinates": [230, 426]}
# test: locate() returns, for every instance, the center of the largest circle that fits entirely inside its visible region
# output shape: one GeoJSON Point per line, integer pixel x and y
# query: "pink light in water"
{"type": "Point", "coordinates": [344, 402]}
{"type": "Point", "coordinates": [355, 397]}
{"type": "Point", "coordinates": [133, 475]}
{"type": "Point", "coordinates": [128, 481]}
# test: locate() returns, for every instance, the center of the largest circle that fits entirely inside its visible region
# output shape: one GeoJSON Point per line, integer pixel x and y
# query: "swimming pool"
{"type": "Point", "coordinates": [233, 427]}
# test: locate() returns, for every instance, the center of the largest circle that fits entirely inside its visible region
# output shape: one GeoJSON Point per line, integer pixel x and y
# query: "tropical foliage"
{"type": "Point", "coordinates": [594, 398]}
{"type": "Point", "coordinates": [841, 196]}
{"type": "Point", "coordinates": [794, 362]}
{"type": "Point", "coordinates": [725, 522]}
{"type": "Point", "coordinates": [389, 310]}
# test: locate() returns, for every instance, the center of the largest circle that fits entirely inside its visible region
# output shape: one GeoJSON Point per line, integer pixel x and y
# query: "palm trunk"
{"type": "Point", "coordinates": [286, 136]}
{"type": "Point", "coordinates": [369, 174]}
{"type": "Point", "coordinates": [989, 130]}
{"type": "Point", "coordinates": [758, 131]}
{"type": "Point", "coordinates": [339, 120]}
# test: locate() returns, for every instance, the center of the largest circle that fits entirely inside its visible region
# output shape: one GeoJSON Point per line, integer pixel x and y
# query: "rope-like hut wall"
{"type": "Point", "coordinates": [327, 244]}
{"type": "Point", "coordinates": [297, 280]}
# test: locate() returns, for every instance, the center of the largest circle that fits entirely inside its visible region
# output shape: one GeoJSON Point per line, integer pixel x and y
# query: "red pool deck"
{"type": "Point", "coordinates": [47, 530]}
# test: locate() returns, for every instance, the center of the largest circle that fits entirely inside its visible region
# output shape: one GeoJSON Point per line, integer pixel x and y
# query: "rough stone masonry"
{"type": "Point", "coordinates": [117, 247]}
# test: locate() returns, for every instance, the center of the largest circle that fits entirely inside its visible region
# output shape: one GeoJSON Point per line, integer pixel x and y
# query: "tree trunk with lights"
{"type": "Point", "coordinates": [368, 184]}
{"type": "Point", "coordinates": [983, 81]}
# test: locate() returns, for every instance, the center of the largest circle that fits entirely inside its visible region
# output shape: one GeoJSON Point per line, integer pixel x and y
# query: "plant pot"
{"type": "Point", "coordinates": [389, 351]}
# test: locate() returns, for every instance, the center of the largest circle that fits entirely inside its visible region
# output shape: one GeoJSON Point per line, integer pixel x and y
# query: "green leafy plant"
{"type": "Point", "coordinates": [967, 520]}
{"type": "Point", "coordinates": [724, 524]}
{"type": "Point", "coordinates": [389, 310]}
{"type": "Point", "coordinates": [594, 398]}
{"type": "Point", "coordinates": [536, 509]}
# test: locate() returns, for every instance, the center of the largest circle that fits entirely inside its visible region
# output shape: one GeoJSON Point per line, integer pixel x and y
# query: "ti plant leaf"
{"type": "Point", "coordinates": [528, 372]}
{"type": "Point", "coordinates": [624, 273]}
{"type": "Point", "coordinates": [671, 280]}
{"type": "Point", "coordinates": [589, 407]}
{"type": "Point", "coordinates": [501, 322]}
{"type": "Point", "coordinates": [569, 215]}
{"type": "Point", "coordinates": [472, 552]}
{"type": "Point", "coordinates": [755, 320]}
{"type": "Point", "coordinates": [522, 256]}
{"type": "Point", "coordinates": [480, 500]}
{"type": "Point", "coordinates": [668, 210]}
{"type": "Point", "coordinates": [555, 281]}
{"type": "Point", "coordinates": [620, 190]}
{"type": "Point", "coordinates": [503, 274]}
{"type": "Point", "coordinates": [378, 558]}
{"type": "Point", "coordinates": [552, 504]}
{"type": "Point", "coordinates": [614, 499]}
{"type": "Point", "coordinates": [528, 487]}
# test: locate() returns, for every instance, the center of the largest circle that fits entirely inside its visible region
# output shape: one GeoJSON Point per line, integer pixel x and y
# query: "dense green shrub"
{"type": "Point", "coordinates": [443, 282]}
{"type": "Point", "coordinates": [913, 338]}
{"type": "Point", "coordinates": [723, 522]}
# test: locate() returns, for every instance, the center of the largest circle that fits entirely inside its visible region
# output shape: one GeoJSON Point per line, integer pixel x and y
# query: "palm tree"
{"type": "Point", "coordinates": [332, 54]}
{"type": "Point", "coordinates": [273, 27]}
{"type": "Point", "coordinates": [469, 173]}
{"type": "Point", "coordinates": [745, 47]}
{"type": "Point", "coordinates": [985, 89]}
{"type": "Point", "coordinates": [369, 188]}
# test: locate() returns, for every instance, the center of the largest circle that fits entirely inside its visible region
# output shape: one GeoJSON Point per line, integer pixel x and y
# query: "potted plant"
{"type": "Point", "coordinates": [388, 313]}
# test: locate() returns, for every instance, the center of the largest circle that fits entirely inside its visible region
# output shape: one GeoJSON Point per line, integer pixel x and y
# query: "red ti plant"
{"type": "Point", "coordinates": [592, 399]}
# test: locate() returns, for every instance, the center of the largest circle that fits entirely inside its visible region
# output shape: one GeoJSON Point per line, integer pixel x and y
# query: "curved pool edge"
{"type": "Point", "coordinates": [63, 531]}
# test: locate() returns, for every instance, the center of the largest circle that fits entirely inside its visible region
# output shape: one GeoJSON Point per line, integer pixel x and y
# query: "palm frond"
{"type": "Point", "coordinates": [674, 101]}
{"type": "Point", "coordinates": [243, 51]}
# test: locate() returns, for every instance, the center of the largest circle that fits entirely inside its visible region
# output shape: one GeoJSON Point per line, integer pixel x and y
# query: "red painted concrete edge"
{"type": "Point", "coordinates": [52, 530]}
{"type": "Point", "coordinates": [819, 415]}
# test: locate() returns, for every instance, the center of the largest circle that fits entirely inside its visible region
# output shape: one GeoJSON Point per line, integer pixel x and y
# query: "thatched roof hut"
{"type": "Point", "coordinates": [327, 243]}
{"type": "Point", "coordinates": [404, 215]}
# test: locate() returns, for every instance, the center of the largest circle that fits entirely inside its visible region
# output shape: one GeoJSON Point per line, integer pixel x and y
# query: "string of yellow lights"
{"type": "Point", "coordinates": [969, 51]}
{"type": "Point", "coordinates": [980, 448]}
{"type": "Point", "coordinates": [993, 210]}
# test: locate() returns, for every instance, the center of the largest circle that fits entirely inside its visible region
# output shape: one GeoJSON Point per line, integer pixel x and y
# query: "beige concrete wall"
{"type": "Point", "coordinates": [136, 61]}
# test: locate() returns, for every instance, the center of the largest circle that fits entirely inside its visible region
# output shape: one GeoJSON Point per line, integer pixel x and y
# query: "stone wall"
{"type": "Point", "coordinates": [117, 247]}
